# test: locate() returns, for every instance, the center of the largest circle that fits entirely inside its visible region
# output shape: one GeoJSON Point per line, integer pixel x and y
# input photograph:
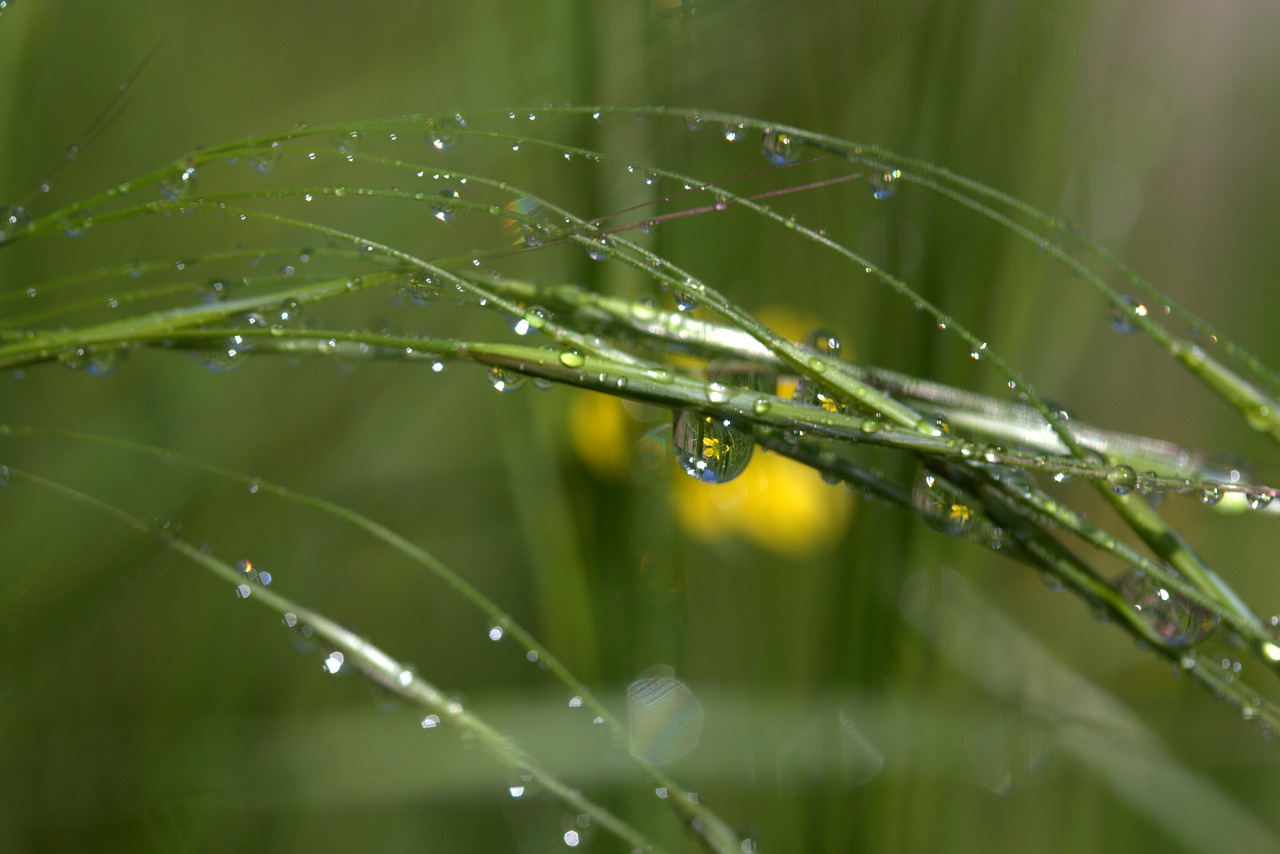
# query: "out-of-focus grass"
{"type": "Point", "coordinates": [142, 706]}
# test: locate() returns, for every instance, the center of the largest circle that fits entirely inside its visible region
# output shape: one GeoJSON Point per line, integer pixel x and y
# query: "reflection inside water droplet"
{"type": "Point", "coordinates": [1175, 619]}
{"type": "Point", "coordinates": [780, 147]}
{"type": "Point", "coordinates": [709, 447]}
{"type": "Point", "coordinates": [943, 506]}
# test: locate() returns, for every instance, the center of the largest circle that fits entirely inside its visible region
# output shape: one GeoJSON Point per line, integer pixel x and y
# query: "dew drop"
{"type": "Point", "coordinates": [78, 223]}
{"type": "Point", "coordinates": [442, 134]}
{"type": "Point", "coordinates": [1122, 479]}
{"type": "Point", "coordinates": [942, 506]}
{"type": "Point", "coordinates": [572, 358]}
{"type": "Point", "coordinates": [1122, 315]}
{"type": "Point", "coordinates": [504, 381]}
{"type": "Point", "coordinates": [825, 341]}
{"type": "Point", "coordinates": [1210, 495]}
{"type": "Point", "coordinates": [1169, 614]}
{"type": "Point", "coordinates": [686, 296]}
{"type": "Point", "coordinates": [495, 633]}
{"type": "Point", "coordinates": [13, 219]}
{"type": "Point", "coordinates": [333, 662]}
{"type": "Point", "coordinates": [178, 186]}
{"type": "Point", "coordinates": [346, 143]}
{"type": "Point", "coordinates": [780, 147]}
{"type": "Point", "coordinates": [884, 185]}
{"type": "Point", "coordinates": [444, 210]}
{"type": "Point", "coordinates": [761, 406]}
{"type": "Point", "coordinates": [419, 289]}
{"type": "Point", "coordinates": [709, 447]}
{"type": "Point", "coordinates": [266, 162]}
{"type": "Point", "coordinates": [719, 393]}
{"type": "Point", "coordinates": [1259, 499]}
{"type": "Point", "coordinates": [431, 722]}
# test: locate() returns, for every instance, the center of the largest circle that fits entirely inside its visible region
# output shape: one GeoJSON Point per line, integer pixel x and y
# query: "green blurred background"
{"type": "Point", "coordinates": [856, 697]}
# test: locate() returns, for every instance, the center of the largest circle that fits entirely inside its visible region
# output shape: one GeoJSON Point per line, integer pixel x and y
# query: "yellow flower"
{"type": "Point", "coordinates": [776, 504]}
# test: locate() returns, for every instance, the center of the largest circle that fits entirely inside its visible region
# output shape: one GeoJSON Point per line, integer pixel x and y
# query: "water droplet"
{"type": "Point", "coordinates": [13, 219]}
{"type": "Point", "coordinates": [504, 381]}
{"type": "Point", "coordinates": [978, 352]}
{"type": "Point", "coordinates": [442, 135]}
{"type": "Point", "coordinates": [810, 393]}
{"type": "Point", "coordinates": [1122, 315]}
{"type": "Point", "coordinates": [942, 506]}
{"type": "Point", "coordinates": [938, 425]}
{"type": "Point", "coordinates": [1210, 495]}
{"type": "Point", "coordinates": [709, 448]}
{"type": "Point", "coordinates": [761, 406]}
{"type": "Point", "coordinates": [77, 223]}
{"type": "Point", "coordinates": [686, 296]}
{"type": "Point", "coordinates": [333, 662]}
{"type": "Point", "coordinates": [178, 186]}
{"type": "Point", "coordinates": [825, 342]}
{"type": "Point", "coordinates": [731, 132]}
{"type": "Point", "coordinates": [346, 143]}
{"type": "Point", "coordinates": [228, 357]}
{"type": "Point", "coordinates": [884, 185]}
{"type": "Point", "coordinates": [572, 358]}
{"type": "Point", "coordinates": [1122, 479]}
{"type": "Point", "coordinates": [719, 393]}
{"type": "Point", "coordinates": [781, 147]}
{"type": "Point", "coordinates": [266, 162]}
{"type": "Point", "coordinates": [1259, 499]}
{"type": "Point", "coordinates": [444, 210]}
{"type": "Point", "coordinates": [1170, 615]}
{"type": "Point", "coordinates": [419, 289]}
{"type": "Point", "coordinates": [431, 722]}
{"type": "Point", "coordinates": [495, 633]}
{"type": "Point", "coordinates": [663, 715]}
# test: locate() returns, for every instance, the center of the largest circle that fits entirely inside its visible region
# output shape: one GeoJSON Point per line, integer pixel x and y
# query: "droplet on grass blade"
{"type": "Point", "coordinates": [13, 219]}
{"type": "Point", "coordinates": [504, 381]}
{"type": "Point", "coordinates": [884, 185]}
{"type": "Point", "coordinates": [709, 447]}
{"type": "Point", "coordinates": [942, 506]}
{"type": "Point", "coordinates": [1122, 479]}
{"type": "Point", "coordinates": [1169, 614]}
{"type": "Point", "coordinates": [780, 147]}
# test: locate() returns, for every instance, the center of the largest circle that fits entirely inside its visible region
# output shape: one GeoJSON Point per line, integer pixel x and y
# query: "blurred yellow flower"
{"type": "Point", "coordinates": [776, 504]}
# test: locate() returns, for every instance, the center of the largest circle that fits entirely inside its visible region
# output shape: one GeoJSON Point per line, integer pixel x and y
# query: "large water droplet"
{"type": "Point", "coordinates": [442, 135]}
{"type": "Point", "coordinates": [1122, 479]}
{"type": "Point", "coordinates": [884, 185]}
{"type": "Point", "coordinates": [1169, 614]}
{"type": "Point", "coordinates": [825, 342]}
{"type": "Point", "coordinates": [781, 147]}
{"type": "Point", "coordinates": [1258, 499]}
{"type": "Point", "coordinates": [346, 143]}
{"type": "Point", "coordinates": [709, 447]}
{"type": "Point", "coordinates": [1122, 315]}
{"type": "Point", "coordinates": [179, 186]}
{"type": "Point", "coordinates": [419, 289]}
{"type": "Point", "coordinates": [811, 393]}
{"type": "Point", "coordinates": [663, 715]}
{"type": "Point", "coordinates": [572, 358]}
{"type": "Point", "coordinates": [504, 381]}
{"type": "Point", "coordinates": [266, 162]}
{"type": "Point", "coordinates": [942, 506]}
{"type": "Point", "coordinates": [444, 210]}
